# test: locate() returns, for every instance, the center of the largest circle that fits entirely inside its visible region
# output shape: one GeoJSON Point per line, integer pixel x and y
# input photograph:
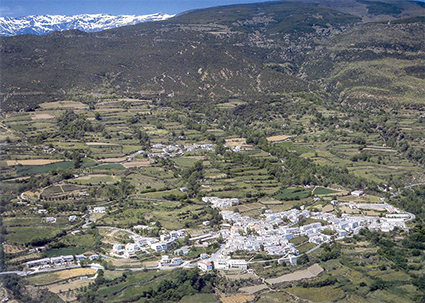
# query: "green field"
{"type": "Point", "coordinates": [292, 194]}
{"type": "Point", "coordinates": [32, 170]}
{"type": "Point", "coordinates": [323, 191]}
{"type": "Point", "coordinates": [27, 234]}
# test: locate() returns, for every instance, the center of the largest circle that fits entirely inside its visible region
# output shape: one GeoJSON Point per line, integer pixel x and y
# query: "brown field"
{"type": "Point", "coordinates": [243, 208]}
{"type": "Point", "coordinates": [348, 210]}
{"type": "Point", "coordinates": [372, 213]}
{"type": "Point", "coordinates": [254, 289]}
{"type": "Point", "coordinates": [278, 138]}
{"type": "Point", "coordinates": [41, 116]}
{"type": "Point", "coordinates": [30, 194]}
{"type": "Point", "coordinates": [24, 258]}
{"type": "Point", "coordinates": [63, 104]}
{"type": "Point", "coordinates": [62, 288]}
{"type": "Point", "coordinates": [3, 294]}
{"type": "Point", "coordinates": [145, 163]}
{"type": "Point", "coordinates": [113, 160]}
{"type": "Point", "coordinates": [310, 272]}
{"type": "Point", "coordinates": [128, 263]}
{"type": "Point", "coordinates": [101, 143]}
{"type": "Point", "coordinates": [271, 201]}
{"type": "Point", "coordinates": [32, 162]}
{"type": "Point", "coordinates": [239, 276]}
{"type": "Point", "coordinates": [236, 298]}
{"type": "Point", "coordinates": [12, 249]}
{"type": "Point", "coordinates": [328, 208]}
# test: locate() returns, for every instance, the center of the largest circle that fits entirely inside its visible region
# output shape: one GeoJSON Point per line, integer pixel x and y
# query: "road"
{"type": "Point", "coordinates": [412, 185]}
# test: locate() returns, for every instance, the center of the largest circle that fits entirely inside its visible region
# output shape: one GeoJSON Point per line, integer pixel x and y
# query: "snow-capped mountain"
{"type": "Point", "coordinates": [44, 24]}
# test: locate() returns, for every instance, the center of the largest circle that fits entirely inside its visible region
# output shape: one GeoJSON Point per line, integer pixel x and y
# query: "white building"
{"type": "Point", "coordinates": [50, 220]}
{"type": "Point", "coordinates": [237, 264]}
{"type": "Point", "coordinates": [99, 210]}
{"type": "Point", "coordinates": [176, 261]}
{"type": "Point", "coordinates": [80, 257]}
{"type": "Point", "coordinates": [357, 193]}
{"type": "Point", "coordinates": [205, 266]}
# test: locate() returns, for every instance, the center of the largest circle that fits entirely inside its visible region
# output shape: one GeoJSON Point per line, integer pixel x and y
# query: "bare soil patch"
{"type": "Point", "coordinates": [236, 298]}
{"type": "Point", "coordinates": [253, 289]}
{"type": "Point", "coordinates": [32, 162]}
{"type": "Point", "coordinates": [62, 288]}
{"type": "Point", "coordinates": [239, 276]}
{"type": "Point", "coordinates": [328, 208]}
{"type": "Point", "coordinates": [311, 272]}
{"type": "Point", "coordinates": [236, 142]}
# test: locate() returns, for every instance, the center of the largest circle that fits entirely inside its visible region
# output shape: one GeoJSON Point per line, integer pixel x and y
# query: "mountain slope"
{"type": "Point", "coordinates": [266, 48]}
{"type": "Point", "coordinates": [41, 25]}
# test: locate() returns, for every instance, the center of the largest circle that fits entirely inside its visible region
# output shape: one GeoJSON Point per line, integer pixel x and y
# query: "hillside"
{"type": "Point", "coordinates": [270, 48]}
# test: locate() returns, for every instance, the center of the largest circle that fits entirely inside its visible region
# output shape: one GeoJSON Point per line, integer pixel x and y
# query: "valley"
{"type": "Point", "coordinates": [252, 153]}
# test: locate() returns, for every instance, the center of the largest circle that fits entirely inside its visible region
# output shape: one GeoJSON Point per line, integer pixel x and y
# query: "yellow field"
{"type": "Point", "coordinates": [137, 164]}
{"type": "Point", "coordinates": [53, 277]}
{"type": "Point", "coordinates": [32, 162]}
{"type": "Point", "coordinates": [278, 138]}
{"type": "Point", "coordinates": [113, 160]}
{"type": "Point", "coordinates": [40, 116]}
{"type": "Point", "coordinates": [101, 143]}
{"type": "Point", "coordinates": [236, 142]}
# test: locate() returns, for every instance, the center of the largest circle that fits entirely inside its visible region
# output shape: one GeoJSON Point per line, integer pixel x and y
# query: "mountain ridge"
{"type": "Point", "coordinates": [241, 50]}
{"type": "Point", "coordinates": [45, 24]}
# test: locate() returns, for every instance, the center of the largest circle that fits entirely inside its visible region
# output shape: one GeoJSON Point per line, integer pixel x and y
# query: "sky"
{"type": "Point", "coordinates": [18, 8]}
